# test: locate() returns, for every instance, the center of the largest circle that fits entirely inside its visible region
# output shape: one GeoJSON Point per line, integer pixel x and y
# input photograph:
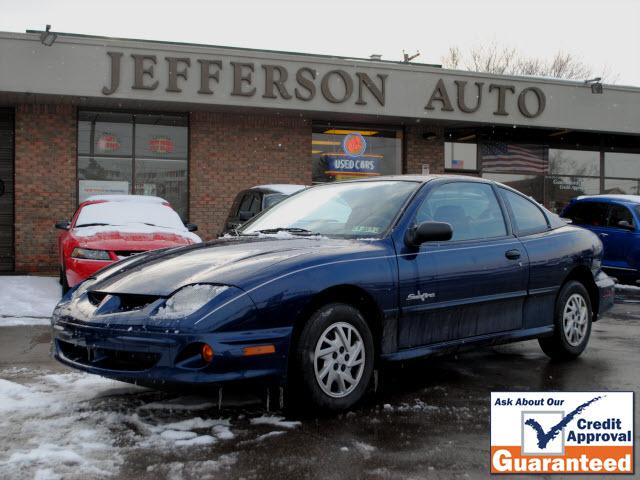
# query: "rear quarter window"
{"type": "Point", "coordinates": [528, 218]}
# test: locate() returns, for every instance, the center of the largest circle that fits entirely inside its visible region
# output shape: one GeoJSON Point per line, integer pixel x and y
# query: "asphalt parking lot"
{"type": "Point", "coordinates": [430, 419]}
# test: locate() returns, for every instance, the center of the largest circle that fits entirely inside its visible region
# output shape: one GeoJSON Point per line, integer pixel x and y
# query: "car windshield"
{"type": "Point", "coordinates": [350, 209]}
{"type": "Point", "coordinates": [127, 213]}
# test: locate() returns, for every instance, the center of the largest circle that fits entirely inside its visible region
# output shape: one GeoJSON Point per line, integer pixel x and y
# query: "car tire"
{"type": "Point", "coordinates": [334, 358]}
{"type": "Point", "coordinates": [572, 323]}
{"type": "Point", "coordinates": [63, 281]}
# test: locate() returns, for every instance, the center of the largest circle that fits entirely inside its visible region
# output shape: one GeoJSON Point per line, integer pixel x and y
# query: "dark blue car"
{"type": "Point", "coordinates": [316, 291]}
{"type": "Point", "coordinates": [616, 220]}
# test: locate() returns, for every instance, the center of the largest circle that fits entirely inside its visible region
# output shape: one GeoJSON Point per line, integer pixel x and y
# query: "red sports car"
{"type": "Point", "coordinates": [108, 228]}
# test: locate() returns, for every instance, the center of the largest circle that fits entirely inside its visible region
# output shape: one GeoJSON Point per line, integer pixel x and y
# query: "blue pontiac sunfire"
{"type": "Point", "coordinates": [315, 291]}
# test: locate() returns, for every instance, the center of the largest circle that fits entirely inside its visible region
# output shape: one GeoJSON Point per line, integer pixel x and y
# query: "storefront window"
{"type": "Point", "coordinates": [622, 165]}
{"type": "Point", "coordinates": [574, 162]}
{"type": "Point", "coordinates": [345, 153]}
{"type": "Point", "coordinates": [460, 156]}
{"type": "Point", "coordinates": [143, 154]}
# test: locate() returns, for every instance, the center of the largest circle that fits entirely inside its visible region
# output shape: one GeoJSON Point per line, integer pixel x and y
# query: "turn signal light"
{"type": "Point", "coordinates": [207, 353]}
{"type": "Point", "coordinates": [259, 350]}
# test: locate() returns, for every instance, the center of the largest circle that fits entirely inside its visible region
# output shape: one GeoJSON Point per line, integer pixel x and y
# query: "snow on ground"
{"type": "Point", "coordinates": [80, 426]}
{"type": "Point", "coordinates": [630, 288]}
{"type": "Point", "coordinates": [27, 300]}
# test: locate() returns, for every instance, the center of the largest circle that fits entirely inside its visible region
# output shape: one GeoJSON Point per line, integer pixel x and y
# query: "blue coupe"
{"type": "Point", "coordinates": [316, 291]}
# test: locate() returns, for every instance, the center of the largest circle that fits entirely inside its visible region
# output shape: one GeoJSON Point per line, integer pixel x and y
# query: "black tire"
{"type": "Point", "coordinates": [559, 346]}
{"type": "Point", "coordinates": [305, 383]}
{"type": "Point", "coordinates": [63, 282]}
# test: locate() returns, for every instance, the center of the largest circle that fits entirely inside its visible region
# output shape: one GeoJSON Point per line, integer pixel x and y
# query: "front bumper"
{"type": "Point", "coordinates": [606, 292]}
{"type": "Point", "coordinates": [158, 359]}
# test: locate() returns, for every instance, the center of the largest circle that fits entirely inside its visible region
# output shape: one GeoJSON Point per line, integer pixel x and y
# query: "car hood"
{"type": "Point", "coordinates": [236, 262]}
{"type": "Point", "coordinates": [131, 239]}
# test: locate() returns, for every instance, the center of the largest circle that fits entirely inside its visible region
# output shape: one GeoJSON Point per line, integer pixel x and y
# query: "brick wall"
{"type": "Point", "coordinates": [231, 152]}
{"type": "Point", "coordinates": [45, 182]}
{"type": "Point", "coordinates": [418, 150]}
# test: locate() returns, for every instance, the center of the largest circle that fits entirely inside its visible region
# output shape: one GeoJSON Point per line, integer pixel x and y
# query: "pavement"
{"type": "Point", "coordinates": [430, 418]}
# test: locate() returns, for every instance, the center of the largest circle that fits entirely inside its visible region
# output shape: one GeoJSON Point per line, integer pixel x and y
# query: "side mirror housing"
{"type": "Point", "coordinates": [63, 225]}
{"type": "Point", "coordinates": [192, 227]}
{"type": "Point", "coordinates": [624, 224]}
{"type": "Point", "coordinates": [428, 232]}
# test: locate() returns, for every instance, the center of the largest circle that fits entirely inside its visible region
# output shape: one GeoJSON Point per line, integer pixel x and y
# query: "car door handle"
{"type": "Point", "coordinates": [603, 234]}
{"type": "Point", "coordinates": [512, 254]}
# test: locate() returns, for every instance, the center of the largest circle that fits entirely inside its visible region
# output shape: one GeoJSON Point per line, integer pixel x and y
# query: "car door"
{"type": "Point", "coordinates": [619, 239]}
{"type": "Point", "coordinates": [473, 285]}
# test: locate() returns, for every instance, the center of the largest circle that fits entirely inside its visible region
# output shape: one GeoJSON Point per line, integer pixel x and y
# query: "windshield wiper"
{"type": "Point", "coordinates": [292, 230]}
{"type": "Point", "coordinates": [92, 225]}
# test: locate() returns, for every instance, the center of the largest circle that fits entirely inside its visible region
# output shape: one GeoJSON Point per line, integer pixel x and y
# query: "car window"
{"type": "Point", "coordinates": [245, 204]}
{"type": "Point", "coordinates": [235, 208]}
{"type": "Point", "coordinates": [527, 215]}
{"type": "Point", "coordinates": [271, 199]}
{"type": "Point", "coordinates": [618, 213]}
{"type": "Point", "coordinates": [587, 213]}
{"type": "Point", "coordinates": [471, 209]}
{"type": "Point", "coordinates": [255, 204]}
{"type": "Point", "coordinates": [346, 209]}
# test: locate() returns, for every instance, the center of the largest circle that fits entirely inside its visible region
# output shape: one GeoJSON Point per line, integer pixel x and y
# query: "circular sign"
{"type": "Point", "coordinates": [354, 144]}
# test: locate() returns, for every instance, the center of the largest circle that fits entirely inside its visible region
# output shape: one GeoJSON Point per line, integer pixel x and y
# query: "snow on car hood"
{"type": "Point", "coordinates": [227, 262]}
{"type": "Point", "coordinates": [133, 232]}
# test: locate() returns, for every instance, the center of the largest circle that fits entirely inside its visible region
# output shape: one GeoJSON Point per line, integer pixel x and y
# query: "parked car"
{"type": "Point", "coordinates": [108, 228]}
{"type": "Point", "coordinates": [616, 220]}
{"type": "Point", "coordinates": [248, 203]}
{"type": "Point", "coordinates": [318, 289]}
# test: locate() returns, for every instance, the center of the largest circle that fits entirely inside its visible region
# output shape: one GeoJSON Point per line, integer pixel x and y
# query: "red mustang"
{"type": "Point", "coordinates": [108, 228]}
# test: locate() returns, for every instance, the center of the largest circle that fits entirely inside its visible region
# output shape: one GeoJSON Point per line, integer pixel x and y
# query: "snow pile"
{"type": "Point", "coordinates": [628, 288]}
{"type": "Point", "coordinates": [27, 300]}
{"type": "Point", "coordinates": [275, 421]}
{"type": "Point", "coordinates": [133, 229]}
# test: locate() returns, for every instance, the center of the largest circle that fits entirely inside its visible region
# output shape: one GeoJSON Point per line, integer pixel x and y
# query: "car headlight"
{"type": "Point", "coordinates": [187, 300]}
{"type": "Point", "coordinates": [89, 254]}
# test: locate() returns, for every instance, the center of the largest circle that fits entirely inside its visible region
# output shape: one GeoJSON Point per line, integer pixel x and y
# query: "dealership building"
{"type": "Point", "coordinates": [196, 124]}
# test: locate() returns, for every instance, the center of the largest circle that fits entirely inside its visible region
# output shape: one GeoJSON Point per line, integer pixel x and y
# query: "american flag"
{"type": "Point", "coordinates": [503, 157]}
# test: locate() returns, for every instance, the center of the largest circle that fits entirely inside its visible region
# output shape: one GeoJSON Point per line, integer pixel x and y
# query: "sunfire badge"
{"type": "Point", "coordinates": [562, 432]}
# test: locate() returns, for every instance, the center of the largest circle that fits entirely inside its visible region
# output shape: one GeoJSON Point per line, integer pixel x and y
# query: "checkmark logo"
{"type": "Point", "coordinates": [545, 437]}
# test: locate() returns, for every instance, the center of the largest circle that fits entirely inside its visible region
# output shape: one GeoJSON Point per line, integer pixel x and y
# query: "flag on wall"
{"type": "Point", "coordinates": [521, 158]}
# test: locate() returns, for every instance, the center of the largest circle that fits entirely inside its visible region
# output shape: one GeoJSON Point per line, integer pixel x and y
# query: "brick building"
{"type": "Point", "coordinates": [196, 124]}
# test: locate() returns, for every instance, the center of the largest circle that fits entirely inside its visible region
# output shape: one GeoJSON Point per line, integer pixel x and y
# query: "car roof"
{"type": "Point", "coordinates": [633, 199]}
{"type": "Point", "coordinates": [126, 198]}
{"type": "Point", "coordinates": [284, 188]}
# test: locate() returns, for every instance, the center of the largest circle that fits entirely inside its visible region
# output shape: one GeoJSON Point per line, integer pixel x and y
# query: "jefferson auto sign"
{"type": "Point", "coordinates": [335, 86]}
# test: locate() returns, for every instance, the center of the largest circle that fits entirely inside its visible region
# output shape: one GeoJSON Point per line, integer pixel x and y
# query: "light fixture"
{"type": "Point", "coordinates": [429, 135]}
{"type": "Point", "coordinates": [338, 131]}
{"type": "Point", "coordinates": [559, 132]}
{"type": "Point", "coordinates": [467, 137]}
{"type": "Point", "coordinates": [596, 84]}
{"type": "Point", "coordinates": [47, 38]}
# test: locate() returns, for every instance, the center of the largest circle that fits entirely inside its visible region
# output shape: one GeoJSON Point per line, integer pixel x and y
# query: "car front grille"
{"type": "Point", "coordinates": [107, 358]}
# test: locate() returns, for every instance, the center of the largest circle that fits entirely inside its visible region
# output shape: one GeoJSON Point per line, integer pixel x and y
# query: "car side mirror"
{"type": "Point", "coordinates": [192, 227]}
{"type": "Point", "coordinates": [428, 232]}
{"type": "Point", "coordinates": [625, 224]}
{"type": "Point", "coordinates": [63, 225]}
{"type": "Point", "coordinates": [245, 215]}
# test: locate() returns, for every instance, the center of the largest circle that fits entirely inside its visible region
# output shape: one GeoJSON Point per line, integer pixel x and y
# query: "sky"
{"type": "Point", "coordinates": [603, 34]}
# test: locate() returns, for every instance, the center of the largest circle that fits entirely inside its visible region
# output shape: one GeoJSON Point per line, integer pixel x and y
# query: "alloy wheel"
{"type": "Point", "coordinates": [575, 319]}
{"type": "Point", "coordinates": [339, 359]}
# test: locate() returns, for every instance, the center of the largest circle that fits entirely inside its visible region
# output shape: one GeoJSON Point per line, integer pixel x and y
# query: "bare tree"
{"type": "Point", "coordinates": [491, 58]}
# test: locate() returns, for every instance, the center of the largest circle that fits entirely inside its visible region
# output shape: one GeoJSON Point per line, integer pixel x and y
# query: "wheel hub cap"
{"type": "Point", "coordinates": [575, 319]}
{"type": "Point", "coordinates": [339, 360]}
